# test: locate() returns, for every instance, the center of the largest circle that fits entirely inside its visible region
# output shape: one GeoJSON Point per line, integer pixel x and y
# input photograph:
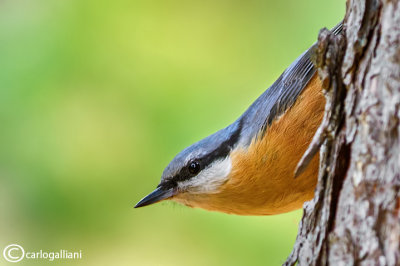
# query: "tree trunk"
{"type": "Point", "coordinates": [354, 218]}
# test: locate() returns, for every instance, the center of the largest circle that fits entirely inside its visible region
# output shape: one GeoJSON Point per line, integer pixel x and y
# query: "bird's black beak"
{"type": "Point", "coordinates": [157, 195]}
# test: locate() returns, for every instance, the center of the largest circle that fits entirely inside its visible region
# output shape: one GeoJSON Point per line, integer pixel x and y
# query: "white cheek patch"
{"type": "Point", "coordinates": [209, 179]}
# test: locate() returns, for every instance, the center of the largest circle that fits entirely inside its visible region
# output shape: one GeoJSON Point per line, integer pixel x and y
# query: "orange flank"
{"type": "Point", "coordinates": [262, 179]}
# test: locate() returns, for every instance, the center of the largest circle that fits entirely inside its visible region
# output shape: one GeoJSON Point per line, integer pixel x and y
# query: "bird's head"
{"type": "Point", "coordinates": [197, 171]}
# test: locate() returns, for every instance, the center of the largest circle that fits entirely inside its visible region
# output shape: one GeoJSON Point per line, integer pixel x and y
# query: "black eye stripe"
{"type": "Point", "coordinates": [220, 152]}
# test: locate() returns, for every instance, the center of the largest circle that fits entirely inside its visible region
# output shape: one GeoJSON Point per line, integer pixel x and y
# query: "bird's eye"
{"type": "Point", "coordinates": [194, 167]}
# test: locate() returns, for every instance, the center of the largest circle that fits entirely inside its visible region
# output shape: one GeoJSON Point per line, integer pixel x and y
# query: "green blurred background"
{"type": "Point", "coordinates": [96, 97]}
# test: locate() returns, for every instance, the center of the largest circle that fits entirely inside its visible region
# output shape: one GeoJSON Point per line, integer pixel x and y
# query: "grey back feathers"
{"type": "Point", "coordinates": [270, 105]}
{"type": "Point", "coordinates": [281, 95]}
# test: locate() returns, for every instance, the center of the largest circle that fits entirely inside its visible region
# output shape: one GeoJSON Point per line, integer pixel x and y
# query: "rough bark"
{"type": "Point", "coordinates": [354, 218]}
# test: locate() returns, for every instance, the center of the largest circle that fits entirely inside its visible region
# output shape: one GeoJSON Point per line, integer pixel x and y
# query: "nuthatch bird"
{"type": "Point", "coordinates": [248, 167]}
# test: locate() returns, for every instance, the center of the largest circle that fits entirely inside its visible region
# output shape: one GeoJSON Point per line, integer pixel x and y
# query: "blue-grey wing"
{"type": "Point", "coordinates": [281, 95]}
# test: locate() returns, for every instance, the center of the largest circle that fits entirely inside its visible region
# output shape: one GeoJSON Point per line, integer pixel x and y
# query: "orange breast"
{"type": "Point", "coordinates": [261, 181]}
